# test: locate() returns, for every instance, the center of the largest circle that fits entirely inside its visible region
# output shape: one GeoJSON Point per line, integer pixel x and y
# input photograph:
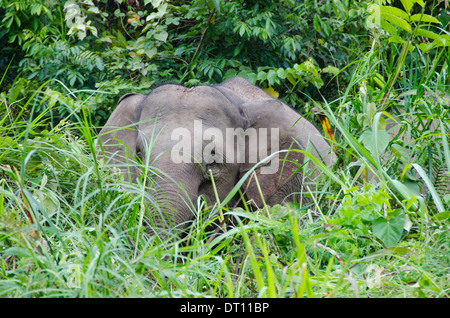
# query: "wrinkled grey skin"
{"type": "Point", "coordinates": [151, 119]}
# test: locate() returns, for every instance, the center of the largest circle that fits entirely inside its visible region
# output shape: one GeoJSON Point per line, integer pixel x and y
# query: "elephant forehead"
{"type": "Point", "coordinates": [176, 98]}
{"type": "Point", "coordinates": [179, 106]}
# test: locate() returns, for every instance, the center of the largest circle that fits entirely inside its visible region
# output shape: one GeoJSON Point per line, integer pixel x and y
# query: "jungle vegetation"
{"type": "Point", "coordinates": [68, 228]}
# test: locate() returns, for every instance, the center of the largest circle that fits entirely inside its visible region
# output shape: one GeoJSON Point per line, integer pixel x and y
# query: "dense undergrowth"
{"type": "Point", "coordinates": [379, 222]}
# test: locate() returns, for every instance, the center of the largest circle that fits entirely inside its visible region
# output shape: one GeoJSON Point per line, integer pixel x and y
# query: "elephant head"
{"type": "Point", "coordinates": [204, 138]}
{"type": "Point", "coordinates": [282, 181]}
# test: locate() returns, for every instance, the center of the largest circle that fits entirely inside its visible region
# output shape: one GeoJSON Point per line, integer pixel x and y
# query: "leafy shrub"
{"type": "Point", "coordinates": [292, 47]}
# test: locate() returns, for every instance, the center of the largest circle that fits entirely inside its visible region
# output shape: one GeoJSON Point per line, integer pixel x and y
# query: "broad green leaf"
{"type": "Point", "coordinates": [99, 64]}
{"type": "Point", "coordinates": [155, 3]}
{"type": "Point", "coordinates": [405, 192]}
{"type": "Point", "coordinates": [423, 18]}
{"type": "Point", "coordinates": [425, 47]}
{"type": "Point", "coordinates": [151, 52]}
{"type": "Point", "coordinates": [382, 141]}
{"type": "Point", "coordinates": [330, 69]}
{"type": "Point", "coordinates": [242, 30]}
{"type": "Point", "coordinates": [370, 111]}
{"type": "Point", "coordinates": [408, 4]}
{"type": "Point", "coordinates": [445, 39]}
{"type": "Point", "coordinates": [93, 9]}
{"type": "Point", "coordinates": [398, 22]}
{"type": "Point", "coordinates": [290, 77]}
{"type": "Point", "coordinates": [388, 27]}
{"type": "Point", "coordinates": [282, 73]}
{"type": "Point", "coordinates": [272, 77]}
{"type": "Point", "coordinates": [428, 34]}
{"type": "Point", "coordinates": [162, 36]}
{"type": "Point", "coordinates": [7, 142]}
{"type": "Point", "coordinates": [316, 23]}
{"type": "Point", "coordinates": [214, 4]}
{"type": "Point", "coordinates": [396, 17]}
{"type": "Point", "coordinates": [396, 39]}
{"type": "Point", "coordinates": [443, 216]}
{"type": "Point", "coordinates": [262, 76]}
{"type": "Point", "coordinates": [393, 11]}
{"type": "Point", "coordinates": [389, 231]}
{"type": "Point", "coordinates": [17, 251]}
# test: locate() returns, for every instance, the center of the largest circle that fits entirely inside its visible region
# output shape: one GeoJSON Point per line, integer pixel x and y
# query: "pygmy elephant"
{"type": "Point", "coordinates": [195, 140]}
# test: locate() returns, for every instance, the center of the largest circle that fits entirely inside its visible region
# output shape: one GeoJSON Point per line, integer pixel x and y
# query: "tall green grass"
{"type": "Point", "coordinates": [68, 228]}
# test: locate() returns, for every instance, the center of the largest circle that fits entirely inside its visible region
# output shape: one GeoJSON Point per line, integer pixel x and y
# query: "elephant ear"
{"type": "Point", "coordinates": [286, 130]}
{"type": "Point", "coordinates": [118, 136]}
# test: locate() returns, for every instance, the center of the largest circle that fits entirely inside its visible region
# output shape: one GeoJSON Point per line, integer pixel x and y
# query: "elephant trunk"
{"type": "Point", "coordinates": [173, 205]}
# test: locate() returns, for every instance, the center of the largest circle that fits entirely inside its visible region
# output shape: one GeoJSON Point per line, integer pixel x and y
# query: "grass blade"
{"type": "Point", "coordinates": [430, 186]}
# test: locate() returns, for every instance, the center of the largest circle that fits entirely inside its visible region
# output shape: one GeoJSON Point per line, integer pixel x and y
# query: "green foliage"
{"type": "Point", "coordinates": [90, 45]}
{"type": "Point", "coordinates": [369, 212]}
{"type": "Point", "coordinates": [70, 229]}
{"type": "Point", "coordinates": [391, 19]}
